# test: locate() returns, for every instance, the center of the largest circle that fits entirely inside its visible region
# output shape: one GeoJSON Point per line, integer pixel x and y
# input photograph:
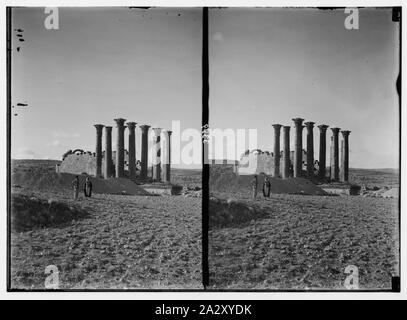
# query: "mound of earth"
{"type": "Point", "coordinates": [29, 213]}
{"type": "Point", "coordinates": [227, 212]}
{"type": "Point", "coordinates": [42, 180]}
{"type": "Point", "coordinates": [228, 181]}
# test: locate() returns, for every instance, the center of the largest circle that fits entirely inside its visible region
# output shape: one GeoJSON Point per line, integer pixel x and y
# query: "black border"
{"type": "Point", "coordinates": [8, 63]}
{"type": "Point", "coordinates": [399, 91]}
{"type": "Point", "coordinates": [205, 162]}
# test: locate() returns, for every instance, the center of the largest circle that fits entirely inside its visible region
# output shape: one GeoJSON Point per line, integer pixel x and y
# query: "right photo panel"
{"type": "Point", "coordinates": [304, 149]}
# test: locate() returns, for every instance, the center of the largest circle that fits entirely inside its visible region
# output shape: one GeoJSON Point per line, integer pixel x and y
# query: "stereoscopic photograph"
{"type": "Point", "coordinates": [119, 118]}
{"type": "Point", "coordinates": [304, 163]}
{"type": "Point", "coordinates": [105, 190]}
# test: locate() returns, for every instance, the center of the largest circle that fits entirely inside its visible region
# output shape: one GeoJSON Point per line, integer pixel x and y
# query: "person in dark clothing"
{"type": "Point", "coordinates": [266, 188]}
{"type": "Point", "coordinates": [75, 186]}
{"type": "Point", "coordinates": [254, 186]}
{"type": "Point", "coordinates": [88, 187]}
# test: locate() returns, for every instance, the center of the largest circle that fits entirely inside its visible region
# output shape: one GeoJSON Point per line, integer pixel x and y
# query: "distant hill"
{"type": "Point", "coordinates": [187, 177]}
{"type": "Point", "coordinates": [375, 177]}
{"type": "Point", "coordinates": [31, 162]}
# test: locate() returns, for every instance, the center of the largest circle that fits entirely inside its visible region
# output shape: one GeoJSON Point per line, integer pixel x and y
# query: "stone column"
{"type": "Point", "coordinates": [98, 152]}
{"type": "Point", "coordinates": [108, 152]}
{"type": "Point", "coordinates": [132, 149]}
{"type": "Point", "coordinates": [322, 150]}
{"type": "Point", "coordinates": [298, 147]}
{"type": "Point", "coordinates": [310, 149]}
{"type": "Point", "coordinates": [157, 155]}
{"type": "Point", "coordinates": [166, 157]}
{"type": "Point", "coordinates": [335, 153]}
{"type": "Point", "coordinates": [144, 151]}
{"type": "Point", "coordinates": [286, 152]}
{"type": "Point", "coordinates": [120, 147]}
{"type": "Point", "coordinates": [331, 157]}
{"type": "Point", "coordinates": [341, 178]}
{"type": "Point", "coordinates": [276, 172]}
{"type": "Point", "coordinates": [345, 156]}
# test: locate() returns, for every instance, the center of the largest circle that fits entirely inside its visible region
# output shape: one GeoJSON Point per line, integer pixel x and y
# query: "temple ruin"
{"type": "Point", "coordinates": [300, 162]}
{"type": "Point", "coordinates": [122, 163]}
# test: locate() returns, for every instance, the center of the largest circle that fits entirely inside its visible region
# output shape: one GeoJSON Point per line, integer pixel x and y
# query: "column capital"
{"type": "Point", "coordinates": [169, 132]}
{"type": "Point", "coordinates": [323, 127]}
{"type": "Point", "coordinates": [298, 121]}
{"type": "Point", "coordinates": [276, 126]}
{"type": "Point", "coordinates": [145, 127]}
{"type": "Point", "coordinates": [108, 128]}
{"type": "Point", "coordinates": [345, 133]}
{"type": "Point", "coordinates": [309, 124]}
{"type": "Point", "coordinates": [286, 127]}
{"type": "Point", "coordinates": [131, 125]}
{"type": "Point", "coordinates": [99, 127]}
{"type": "Point", "coordinates": [335, 130]}
{"type": "Point", "coordinates": [120, 121]}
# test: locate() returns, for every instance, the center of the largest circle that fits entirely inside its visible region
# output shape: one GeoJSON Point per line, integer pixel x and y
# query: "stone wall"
{"type": "Point", "coordinates": [78, 164]}
{"type": "Point", "coordinates": [258, 161]}
{"type": "Point", "coordinates": [79, 161]}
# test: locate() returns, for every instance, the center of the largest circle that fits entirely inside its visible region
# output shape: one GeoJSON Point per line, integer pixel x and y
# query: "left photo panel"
{"type": "Point", "coordinates": [105, 169]}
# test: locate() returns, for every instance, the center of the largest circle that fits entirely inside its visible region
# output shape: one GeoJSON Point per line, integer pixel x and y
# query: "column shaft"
{"type": "Point", "coordinates": [286, 152]}
{"type": "Point", "coordinates": [331, 157]}
{"type": "Point", "coordinates": [345, 155]}
{"type": "Point", "coordinates": [298, 147]}
{"type": "Point", "coordinates": [335, 153]}
{"type": "Point", "coordinates": [144, 151]}
{"type": "Point", "coordinates": [132, 149]}
{"type": "Point", "coordinates": [166, 157]}
{"type": "Point", "coordinates": [157, 155]}
{"type": "Point", "coordinates": [276, 171]}
{"type": "Point", "coordinates": [310, 149]}
{"type": "Point", "coordinates": [108, 153]}
{"type": "Point", "coordinates": [120, 148]}
{"type": "Point", "coordinates": [98, 151]}
{"type": "Point", "coordinates": [322, 150]}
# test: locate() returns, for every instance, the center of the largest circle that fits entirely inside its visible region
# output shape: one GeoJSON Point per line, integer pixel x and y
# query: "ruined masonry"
{"type": "Point", "coordinates": [122, 163]}
{"type": "Point", "coordinates": [300, 162]}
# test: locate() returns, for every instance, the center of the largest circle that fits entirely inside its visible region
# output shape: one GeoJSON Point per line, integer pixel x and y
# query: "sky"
{"type": "Point", "coordinates": [102, 64]}
{"type": "Point", "coordinates": [266, 66]}
{"type": "Point", "coordinates": [269, 66]}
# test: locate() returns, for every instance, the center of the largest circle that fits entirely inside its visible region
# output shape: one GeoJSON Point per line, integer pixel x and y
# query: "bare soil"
{"type": "Point", "coordinates": [302, 242]}
{"type": "Point", "coordinates": [306, 242]}
{"type": "Point", "coordinates": [120, 242]}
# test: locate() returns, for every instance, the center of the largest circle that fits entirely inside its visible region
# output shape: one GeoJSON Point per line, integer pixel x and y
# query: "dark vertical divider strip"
{"type": "Point", "coordinates": [8, 57]}
{"type": "Point", "coordinates": [205, 162]}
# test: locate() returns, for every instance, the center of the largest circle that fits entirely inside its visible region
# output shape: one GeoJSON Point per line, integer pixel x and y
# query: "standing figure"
{"type": "Point", "coordinates": [88, 187]}
{"type": "Point", "coordinates": [316, 167]}
{"type": "Point", "coordinates": [138, 167]}
{"type": "Point", "coordinates": [75, 185]}
{"type": "Point", "coordinates": [266, 188]}
{"type": "Point", "coordinates": [254, 186]}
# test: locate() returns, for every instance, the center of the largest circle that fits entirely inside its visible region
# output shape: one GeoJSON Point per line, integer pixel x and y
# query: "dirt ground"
{"type": "Point", "coordinates": [124, 242]}
{"type": "Point", "coordinates": [306, 242]}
